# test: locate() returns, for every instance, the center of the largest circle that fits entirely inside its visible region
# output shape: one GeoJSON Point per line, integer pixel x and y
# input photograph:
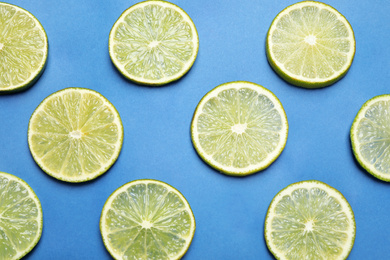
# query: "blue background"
{"type": "Point", "coordinates": [229, 211]}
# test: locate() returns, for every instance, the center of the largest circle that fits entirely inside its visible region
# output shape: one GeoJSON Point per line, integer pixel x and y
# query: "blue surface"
{"type": "Point", "coordinates": [229, 211]}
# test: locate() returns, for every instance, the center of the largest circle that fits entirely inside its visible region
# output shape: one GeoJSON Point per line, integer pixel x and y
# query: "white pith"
{"type": "Point", "coordinates": [154, 44]}
{"type": "Point", "coordinates": [311, 40]}
{"type": "Point", "coordinates": [146, 224]}
{"type": "Point", "coordinates": [240, 128]}
{"type": "Point", "coordinates": [310, 224]}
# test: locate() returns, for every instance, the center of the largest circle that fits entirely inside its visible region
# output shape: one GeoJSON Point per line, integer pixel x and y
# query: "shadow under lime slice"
{"type": "Point", "coordinates": [75, 135]}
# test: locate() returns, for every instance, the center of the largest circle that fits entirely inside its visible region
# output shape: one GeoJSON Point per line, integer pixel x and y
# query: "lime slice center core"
{"type": "Point", "coordinates": [311, 40]}
{"type": "Point", "coordinates": [309, 226]}
{"type": "Point", "coordinates": [146, 224]}
{"type": "Point", "coordinates": [153, 44]}
{"type": "Point", "coordinates": [76, 134]}
{"type": "Point", "coordinates": [239, 128]}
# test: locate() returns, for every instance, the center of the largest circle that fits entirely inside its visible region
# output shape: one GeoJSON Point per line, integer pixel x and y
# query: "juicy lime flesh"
{"type": "Point", "coordinates": [19, 219]}
{"type": "Point", "coordinates": [148, 221]}
{"type": "Point", "coordinates": [153, 42]}
{"type": "Point", "coordinates": [22, 47]}
{"type": "Point", "coordinates": [239, 127]}
{"type": "Point", "coordinates": [373, 136]}
{"type": "Point", "coordinates": [75, 134]}
{"type": "Point", "coordinates": [310, 224]}
{"type": "Point", "coordinates": [312, 42]}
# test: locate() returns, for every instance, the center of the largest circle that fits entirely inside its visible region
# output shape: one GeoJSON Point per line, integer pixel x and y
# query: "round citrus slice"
{"type": "Point", "coordinates": [153, 43]}
{"type": "Point", "coordinates": [239, 128]}
{"type": "Point", "coordinates": [75, 135]}
{"type": "Point", "coordinates": [23, 48]}
{"type": "Point", "coordinates": [310, 220]}
{"type": "Point", "coordinates": [370, 137]}
{"type": "Point", "coordinates": [310, 44]}
{"type": "Point", "coordinates": [20, 217]}
{"type": "Point", "coordinates": [147, 219]}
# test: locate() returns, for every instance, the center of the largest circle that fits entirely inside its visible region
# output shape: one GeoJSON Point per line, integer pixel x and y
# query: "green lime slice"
{"type": "Point", "coordinates": [310, 220]}
{"type": "Point", "coordinates": [310, 44]}
{"type": "Point", "coordinates": [23, 48]}
{"type": "Point", "coordinates": [75, 135]}
{"type": "Point", "coordinates": [20, 217]}
{"type": "Point", "coordinates": [153, 43]}
{"type": "Point", "coordinates": [370, 137]}
{"type": "Point", "coordinates": [147, 219]}
{"type": "Point", "coordinates": [239, 128]}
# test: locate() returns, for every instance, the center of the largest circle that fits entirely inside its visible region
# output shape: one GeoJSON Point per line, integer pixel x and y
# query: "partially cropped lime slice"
{"type": "Point", "coordinates": [239, 128]}
{"type": "Point", "coordinates": [310, 44]}
{"type": "Point", "coordinates": [370, 137]}
{"type": "Point", "coordinates": [153, 43]}
{"type": "Point", "coordinates": [147, 219]}
{"type": "Point", "coordinates": [75, 134]}
{"type": "Point", "coordinates": [310, 220]}
{"type": "Point", "coordinates": [20, 217]}
{"type": "Point", "coordinates": [23, 48]}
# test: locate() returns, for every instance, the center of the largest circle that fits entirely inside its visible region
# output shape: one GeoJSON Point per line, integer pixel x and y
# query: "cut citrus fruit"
{"type": "Point", "coordinates": [153, 43]}
{"type": "Point", "coordinates": [23, 48]}
{"type": "Point", "coordinates": [75, 135]}
{"type": "Point", "coordinates": [370, 137]}
{"type": "Point", "coordinates": [310, 220]}
{"type": "Point", "coordinates": [20, 217]}
{"type": "Point", "coordinates": [147, 219]}
{"type": "Point", "coordinates": [239, 128]}
{"type": "Point", "coordinates": [310, 44]}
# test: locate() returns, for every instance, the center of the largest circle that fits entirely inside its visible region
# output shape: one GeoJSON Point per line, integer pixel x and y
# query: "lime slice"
{"type": "Point", "coordinates": [370, 137]}
{"type": "Point", "coordinates": [310, 44]}
{"type": "Point", "coordinates": [153, 43]}
{"type": "Point", "coordinates": [75, 135]}
{"type": "Point", "coordinates": [23, 48]}
{"type": "Point", "coordinates": [147, 219]}
{"type": "Point", "coordinates": [20, 217]}
{"type": "Point", "coordinates": [239, 128]}
{"type": "Point", "coordinates": [310, 220]}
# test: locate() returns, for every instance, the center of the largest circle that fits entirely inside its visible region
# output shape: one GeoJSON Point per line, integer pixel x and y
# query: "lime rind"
{"type": "Point", "coordinates": [124, 187]}
{"type": "Point", "coordinates": [38, 72]}
{"type": "Point", "coordinates": [39, 218]}
{"type": "Point", "coordinates": [355, 143]}
{"type": "Point", "coordinates": [309, 184]}
{"type": "Point", "coordinates": [163, 80]}
{"type": "Point", "coordinates": [299, 80]}
{"type": "Point", "coordinates": [106, 166]}
{"type": "Point", "coordinates": [251, 169]}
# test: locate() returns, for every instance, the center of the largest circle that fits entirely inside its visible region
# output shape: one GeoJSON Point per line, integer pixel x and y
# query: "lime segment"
{"type": "Point", "coordinates": [23, 48]}
{"type": "Point", "coordinates": [310, 44]}
{"type": "Point", "coordinates": [370, 137]}
{"type": "Point", "coordinates": [239, 128]}
{"type": "Point", "coordinates": [310, 220]}
{"type": "Point", "coordinates": [20, 217]}
{"type": "Point", "coordinates": [75, 135]}
{"type": "Point", "coordinates": [153, 43]}
{"type": "Point", "coordinates": [147, 219]}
